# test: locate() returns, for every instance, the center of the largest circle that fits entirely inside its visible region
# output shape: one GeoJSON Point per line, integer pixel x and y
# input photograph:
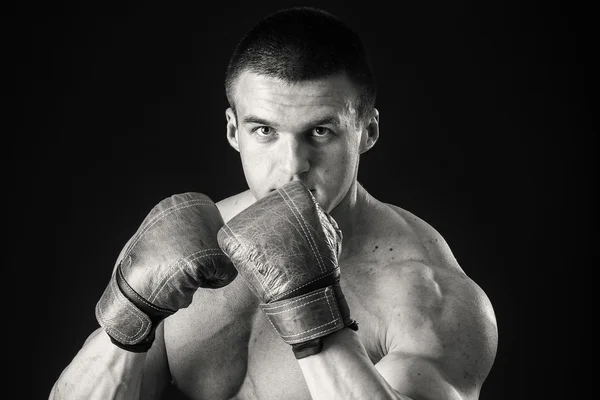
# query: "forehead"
{"type": "Point", "coordinates": [274, 98]}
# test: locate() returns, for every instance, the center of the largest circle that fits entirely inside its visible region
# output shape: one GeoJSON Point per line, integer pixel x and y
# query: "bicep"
{"type": "Point", "coordinates": [416, 377]}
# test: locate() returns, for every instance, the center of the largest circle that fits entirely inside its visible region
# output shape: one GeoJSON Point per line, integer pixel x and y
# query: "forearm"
{"type": "Point", "coordinates": [343, 370]}
{"type": "Point", "coordinates": [100, 370]}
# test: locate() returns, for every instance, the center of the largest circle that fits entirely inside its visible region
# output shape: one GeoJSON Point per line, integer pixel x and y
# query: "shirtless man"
{"type": "Point", "coordinates": [302, 112]}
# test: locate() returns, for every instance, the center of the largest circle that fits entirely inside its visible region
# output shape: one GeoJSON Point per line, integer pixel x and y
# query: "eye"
{"type": "Point", "coordinates": [320, 131]}
{"type": "Point", "coordinates": [264, 131]}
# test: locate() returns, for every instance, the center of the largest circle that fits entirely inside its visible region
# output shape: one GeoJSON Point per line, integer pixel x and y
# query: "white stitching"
{"type": "Point", "coordinates": [147, 301]}
{"type": "Point", "coordinates": [303, 223]}
{"type": "Point", "coordinates": [330, 310]}
{"type": "Point", "coordinates": [310, 330]}
{"type": "Point", "coordinates": [159, 287]}
{"type": "Point", "coordinates": [130, 308]}
{"type": "Point", "coordinates": [164, 213]}
{"type": "Point", "coordinates": [308, 283]}
{"type": "Point", "coordinates": [293, 308]}
{"type": "Point", "coordinates": [333, 321]}
{"type": "Point", "coordinates": [319, 334]}
{"type": "Point", "coordinates": [306, 231]}
{"type": "Point", "coordinates": [312, 294]}
{"type": "Point", "coordinates": [179, 264]}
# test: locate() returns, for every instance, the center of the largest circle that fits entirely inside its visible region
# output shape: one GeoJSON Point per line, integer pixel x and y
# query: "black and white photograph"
{"type": "Point", "coordinates": [286, 200]}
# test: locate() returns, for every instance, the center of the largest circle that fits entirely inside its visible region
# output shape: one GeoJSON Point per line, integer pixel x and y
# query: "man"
{"type": "Point", "coordinates": [304, 286]}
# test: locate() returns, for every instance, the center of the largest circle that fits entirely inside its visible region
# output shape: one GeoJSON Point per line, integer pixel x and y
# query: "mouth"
{"type": "Point", "coordinates": [313, 191]}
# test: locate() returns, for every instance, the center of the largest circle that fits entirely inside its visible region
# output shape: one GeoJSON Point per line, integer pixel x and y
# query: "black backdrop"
{"type": "Point", "coordinates": [485, 133]}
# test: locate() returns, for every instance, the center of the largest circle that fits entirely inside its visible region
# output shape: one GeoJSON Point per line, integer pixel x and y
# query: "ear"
{"type": "Point", "coordinates": [232, 130]}
{"type": "Point", "coordinates": [370, 132]}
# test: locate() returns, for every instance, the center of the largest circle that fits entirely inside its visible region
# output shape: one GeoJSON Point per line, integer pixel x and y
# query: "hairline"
{"type": "Point", "coordinates": [356, 103]}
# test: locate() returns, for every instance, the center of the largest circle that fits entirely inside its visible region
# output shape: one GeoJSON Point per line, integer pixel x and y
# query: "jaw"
{"type": "Point", "coordinates": [348, 212]}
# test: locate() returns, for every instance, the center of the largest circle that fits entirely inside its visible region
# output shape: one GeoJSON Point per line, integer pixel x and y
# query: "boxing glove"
{"type": "Point", "coordinates": [172, 254]}
{"type": "Point", "coordinates": [286, 247]}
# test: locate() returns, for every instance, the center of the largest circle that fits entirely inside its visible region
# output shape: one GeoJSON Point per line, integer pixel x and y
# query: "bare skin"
{"type": "Point", "coordinates": [426, 330]}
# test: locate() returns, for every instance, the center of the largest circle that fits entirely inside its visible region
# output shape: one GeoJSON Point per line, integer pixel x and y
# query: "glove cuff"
{"type": "Point", "coordinates": [129, 322]}
{"type": "Point", "coordinates": [311, 316]}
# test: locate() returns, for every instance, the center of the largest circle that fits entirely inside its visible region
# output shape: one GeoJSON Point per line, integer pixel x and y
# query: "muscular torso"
{"type": "Point", "coordinates": [222, 346]}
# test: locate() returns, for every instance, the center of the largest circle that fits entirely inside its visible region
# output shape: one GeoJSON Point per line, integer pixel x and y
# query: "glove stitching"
{"type": "Point", "coordinates": [325, 295]}
{"type": "Point", "coordinates": [301, 333]}
{"type": "Point", "coordinates": [317, 334]}
{"type": "Point", "coordinates": [336, 229]}
{"type": "Point", "coordinates": [305, 228]}
{"type": "Point", "coordinates": [293, 308]}
{"type": "Point", "coordinates": [333, 321]}
{"type": "Point", "coordinates": [307, 233]}
{"type": "Point", "coordinates": [331, 310]}
{"type": "Point", "coordinates": [310, 330]}
{"type": "Point", "coordinates": [199, 254]}
{"type": "Point", "coordinates": [164, 213]}
{"type": "Point", "coordinates": [169, 210]}
{"type": "Point", "coordinates": [156, 291]}
{"type": "Point", "coordinates": [129, 307]}
{"type": "Point", "coordinates": [308, 283]}
{"type": "Point", "coordinates": [179, 264]}
{"type": "Point", "coordinates": [269, 307]}
{"type": "Point", "coordinates": [320, 334]}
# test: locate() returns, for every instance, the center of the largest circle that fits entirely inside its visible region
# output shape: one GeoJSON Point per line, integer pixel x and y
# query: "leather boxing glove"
{"type": "Point", "coordinates": [172, 254]}
{"type": "Point", "coordinates": [286, 247]}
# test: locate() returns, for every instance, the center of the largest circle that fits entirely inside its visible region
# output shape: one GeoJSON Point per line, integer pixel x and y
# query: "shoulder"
{"type": "Point", "coordinates": [439, 333]}
{"type": "Point", "coordinates": [425, 239]}
{"type": "Point", "coordinates": [449, 320]}
{"type": "Point", "coordinates": [436, 311]}
{"type": "Point", "coordinates": [230, 206]}
{"type": "Point", "coordinates": [442, 315]}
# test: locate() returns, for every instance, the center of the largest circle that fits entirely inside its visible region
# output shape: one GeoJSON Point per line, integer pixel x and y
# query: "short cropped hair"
{"type": "Point", "coordinates": [302, 44]}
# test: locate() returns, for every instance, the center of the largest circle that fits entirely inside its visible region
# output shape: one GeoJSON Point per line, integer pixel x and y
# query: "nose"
{"type": "Point", "coordinates": [295, 157]}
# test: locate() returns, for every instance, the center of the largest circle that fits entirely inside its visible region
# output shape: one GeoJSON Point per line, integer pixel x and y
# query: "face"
{"type": "Point", "coordinates": [307, 132]}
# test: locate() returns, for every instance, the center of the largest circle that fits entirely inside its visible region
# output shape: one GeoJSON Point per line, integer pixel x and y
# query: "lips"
{"type": "Point", "coordinates": [271, 190]}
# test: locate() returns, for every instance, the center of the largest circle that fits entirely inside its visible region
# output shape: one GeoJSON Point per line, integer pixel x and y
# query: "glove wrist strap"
{"type": "Point", "coordinates": [308, 348]}
{"type": "Point", "coordinates": [314, 346]}
{"type": "Point", "coordinates": [129, 323]}
{"type": "Point", "coordinates": [304, 320]}
{"type": "Point", "coordinates": [140, 347]}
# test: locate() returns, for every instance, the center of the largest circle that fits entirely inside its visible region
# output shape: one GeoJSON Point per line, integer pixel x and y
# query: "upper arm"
{"type": "Point", "coordinates": [440, 348]}
{"type": "Point", "coordinates": [416, 376]}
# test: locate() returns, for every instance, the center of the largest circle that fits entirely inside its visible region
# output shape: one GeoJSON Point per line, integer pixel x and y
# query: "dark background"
{"type": "Point", "coordinates": [485, 133]}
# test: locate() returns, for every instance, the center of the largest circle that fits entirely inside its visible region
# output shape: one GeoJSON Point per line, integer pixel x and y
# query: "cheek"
{"type": "Point", "coordinates": [339, 162]}
{"type": "Point", "coordinates": [336, 172]}
{"type": "Point", "coordinates": [253, 164]}
{"type": "Point", "coordinates": [256, 168]}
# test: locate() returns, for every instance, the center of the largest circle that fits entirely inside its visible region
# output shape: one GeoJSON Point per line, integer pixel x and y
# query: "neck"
{"type": "Point", "coordinates": [348, 213]}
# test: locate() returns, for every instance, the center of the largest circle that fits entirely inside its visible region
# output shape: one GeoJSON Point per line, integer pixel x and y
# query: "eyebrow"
{"type": "Point", "coordinates": [253, 119]}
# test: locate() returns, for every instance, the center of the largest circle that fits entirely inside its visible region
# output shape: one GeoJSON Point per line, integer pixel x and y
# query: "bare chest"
{"type": "Point", "coordinates": [222, 347]}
